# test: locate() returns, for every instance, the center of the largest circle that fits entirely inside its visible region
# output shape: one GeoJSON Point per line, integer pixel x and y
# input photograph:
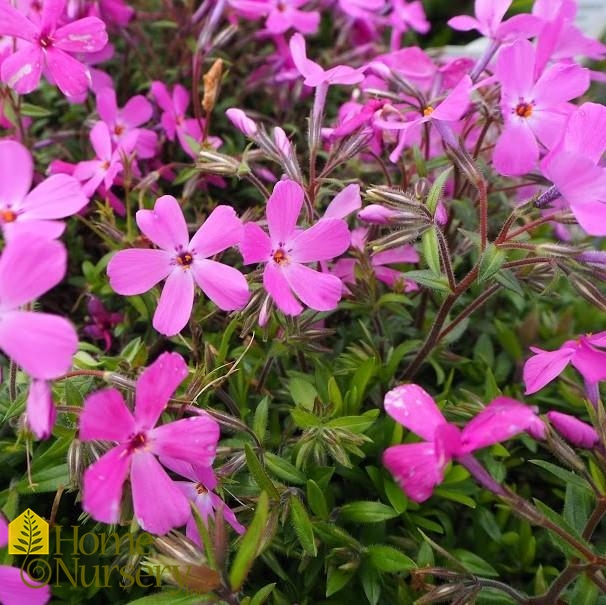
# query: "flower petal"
{"type": "Point", "coordinates": [70, 75]}
{"type": "Point", "coordinates": [224, 285]}
{"type": "Point", "coordinates": [149, 480]}
{"type": "Point", "coordinates": [344, 203]}
{"type": "Point", "coordinates": [561, 82]}
{"type": "Point", "coordinates": [176, 302]}
{"type": "Point", "coordinates": [155, 386]}
{"type": "Point", "coordinates": [137, 111]}
{"type": "Point", "coordinates": [325, 240]}
{"type": "Point", "coordinates": [40, 411]}
{"type": "Point", "coordinates": [106, 417]}
{"type": "Point", "coordinates": [275, 283]}
{"type": "Point", "coordinates": [16, 172]}
{"type": "Point", "coordinates": [192, 439]}
{"type": "Point", "coordinates": [87, 35]}
{"type": "Point", "coordinates": [255, 245]}
{"type": "Point", "coordinates": [414, 408]}
{"type": "Point", "coordinates": [283, 208]}
{"type": "Point", "coordinates": [42, 344]}
{"type": "Point", "coordinates": [544, 367]}
{"type": "Point", "coordinates": [58, 196]}
{"type": "Point", "coordinates": [15, 591]}
{"type": "Point", "coordinates": [164, 225]}
{"type": "Point", "coordinates": [23, 69]}
{"type": "Point", "coordinates": [319, 291]}
{"type": "Point", "coordinates": [222, 229]}
{"type": "Point", "coordinates": [137, 270]}
{"type": "Point", "coordinates": [590, 362]}
{"type": "Point", "coordinates": [16, 24]}
{"type": "Point", "coordinates": [516, 151]}
{"type": "Point", "coordinates": [28, 268]}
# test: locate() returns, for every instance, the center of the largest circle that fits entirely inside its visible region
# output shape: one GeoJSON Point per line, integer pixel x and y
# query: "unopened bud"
{"type": "Point", "coordinates": [575, 431]}
{"type": "Point", "coordinates": [242, 122]}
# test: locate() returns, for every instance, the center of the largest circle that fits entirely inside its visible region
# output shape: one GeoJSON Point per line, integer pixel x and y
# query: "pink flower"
{"type": "Point", "coordinates": [573, 166]}
{"type": "Point", "coordinates": [49, 47]}
{"type": "Point", "coordinates": [40, 411]}
{"type": "Point", "coordinates": [173, 118]}
{"type": "Point", "coordinates": [489, 21]}
{"type": "Point", "coordinates": [314, 74]}
{"type": "Point", "coordinates": [159, 505]}
{"type": "Point", "coordinates": [286, 251]}
{"type": "Point", "coordinates": [281, 14]}
{"type": "Point", "coordinates": [405, 16]}
{"type": "Point", "coordinates": [581, 353]}
{"type": "Point", "coordinates": [13, 589]}
{"type": "Point", "coordinates": [199, 490]}
{"type": "Point", "coordinates": [419, 467]}
{"type": "Point", "coordinates": [41, 343]}
{"type": "Point", "coordinates": [31, 212]}
{"type": "Point", "coordinates": [108, 163]}
{"type": "Point", "coordinates": [576, 431]}
{"type": "Point", "coordinates": [181, 262]}
{"type": "Point", "coordinates": [532, 110]}
{"type": "Point", "coordinates": [121, 122]}
{"type": "Point", "coordinates": [102, 321]}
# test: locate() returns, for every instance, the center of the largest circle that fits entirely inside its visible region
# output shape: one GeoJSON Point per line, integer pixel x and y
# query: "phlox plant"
{"type": "Point", "coordinates": [307, 303]}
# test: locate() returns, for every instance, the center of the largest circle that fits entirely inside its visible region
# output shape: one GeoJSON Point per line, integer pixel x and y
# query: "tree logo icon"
{"type": "Point", "coordinates": [28, 534]}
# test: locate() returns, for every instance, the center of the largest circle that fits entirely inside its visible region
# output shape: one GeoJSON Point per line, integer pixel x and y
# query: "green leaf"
{"type": "Point", "coordinates": [249, 545]}
{"type": "Point", "coordinates": [303, 527]}
{"type": "Point", "coordinates": [371, 583]}
{"type": "Point", "coordinates": [260, 419]}
{"type": "Point", "coordinates": [565, 475]}
{"type": "Point", "coordinates": [283, 469]}
{"type": "Point", "coordinates": [262, 594]}
{"type": "Point", "coordinates": [259, 474]}
{"type": "Point", "coordinates": [389, 559]}
{"type": "Point", "coordinates": [475, 564]}
{"type": "Point", "coordinates": [317, 500]}
{"type": "Point", "coordinates": [35, 111]}
{"type": "Point", "coordinates": [437, 189]}
{"type": "Point", "coordinates": [577, 506]}
{"type": "Point", "coordinates": [431, 251]}
{"type": "Point", "coordinates": [367, 512]}
{"type": "Point", "coordinates": [509, 281]}
{"type": "Point", "coordinates": [334, 394]}
{"type": "Point", "coordinates": [428, 279]}
{"type": "Point", "coordinates": [168, 598]}
{"type": "Point", "coordinates": [302, 392]}
{"type": "Point", "coordinates": [355, 424]}
{"type": "Point", "coordinates": [585, 592]}
{"type": "Point", "coordinates": [336, 580]}
{"type": "Point", "coordinates": [303, 419]}
{"type": "Point", "coordinates": [491, 261]}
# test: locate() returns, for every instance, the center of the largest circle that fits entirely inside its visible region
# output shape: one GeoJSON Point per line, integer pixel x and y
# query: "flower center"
{"type": "Point", "coordinates": [118, 129]}
{"type": "Point", "coordinates": [427, 111]}
{"type": "Point", "coordinates": [105, 165]}
{"type": "Point", "coordinates": [201, 489]}
{"type": "Point", "coordinates": [280, 256]}
{"type": "Point", "coordinates": [523, 109]}
{"type": "Point", "coordinates": [137, 442]}
{"type": "Point", "coordinates": [7, 215]}
{"type": "Point", "coordinates": [45, 41]}
{"type": "Point", "coordinates": [185, 259]}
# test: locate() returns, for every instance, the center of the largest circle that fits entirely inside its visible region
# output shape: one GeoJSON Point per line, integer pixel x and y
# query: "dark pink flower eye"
{"type": "Point", "coordinates": [280, 257]}
{"type": "Point", "coordinates": [185, 259]}
{"type": "Point", "coordinates": [524, 110]}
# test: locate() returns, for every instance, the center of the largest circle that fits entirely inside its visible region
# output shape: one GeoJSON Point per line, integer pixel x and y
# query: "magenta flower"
{"type": "Point", "coordinates": [581, 353]}
{"type": "Point", "coordinates": [199, 490]}
{"type": "Point", "coordinates": [573, 166]}
{"type": "Point", "coordinates": [181, 262]}
{"type": "Point", "coordinates": [102, 321]}
{"type": "Point", "coordinates": [419, 467]}
{"type": "Point", "coordinates": [41, 343]}
{"type": "Point", "coordinates": [49, 47]}
{"type": "Point", "coordinates": [281, 14]}
{"type": "Point", "coordinates": [173, 118]}
{"type": "Point", "coordinates": [32, 213]}
{"type": "Point", "coordinates": [159, 505]}
{"type": "Point", "coordinates": [108, 164]}
{"type": "Point", "coordinates": [13, 590]}
{"type": "Point", "coordinates": [286, 251]}
{"type": "Point", "coordinates": [575, 431]}
{"type": "Point", "coordinates": [533, 111]}
{"type": "Point", "coordinates": [121, 122]}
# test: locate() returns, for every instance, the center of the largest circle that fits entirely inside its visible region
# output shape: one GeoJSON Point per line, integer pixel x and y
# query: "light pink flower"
{"type": "Point", "coordinates": [13, 590]}
{"type": "Point", "coordinates": [32, 212]}
{"type": "Point", "coordinates": [108, 164]}
{"type": "Point", "coordinates": [287, 250]}
{"type": "Point", "coordinates": [534, 110]}
{"type": "Point", "coordinates": [419, 467]}
{"type": "Point", "coordinates": [49, 47]}
{"type": "Point", "coordinates": [199, 490]}
{"type": "Point", "coordinates": [159, 505]}
{"type": "Point", "coordinates": [41, 343]}
{"type": "Point", "coordinates": [181, 262]}
{"type": "Point", "coordinates": [121, 122]}
{"type": "Point", "coordinates": [582, 353]}
{"type": "Point", "coordinates": [40, 411]}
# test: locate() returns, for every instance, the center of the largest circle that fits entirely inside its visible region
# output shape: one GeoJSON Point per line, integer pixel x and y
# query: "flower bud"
{"type": "Point", "coordinates": [242, 122]}
{"type": "Point", "coordinates": [575, 431]}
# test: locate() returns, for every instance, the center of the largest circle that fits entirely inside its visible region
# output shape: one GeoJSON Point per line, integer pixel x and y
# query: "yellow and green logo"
{"type": "Point", "coordinates": [28, 534]}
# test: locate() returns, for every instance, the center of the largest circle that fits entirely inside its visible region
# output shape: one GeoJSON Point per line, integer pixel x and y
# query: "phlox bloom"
{"type": "Point", "coordinates": [33, 212]}
{"type": "Point", "coordinates": [287, 250]}
{"type": "Point", "coordinates": [182, 262]}
{"type": "Point", "coordinates": [582, 353]}
{"type": "Point", "coordinates": [576, 431]}
{"type": "Point", "coordinates": [41, 343]}
{"type": "Point", "coordinates": [419, 467]}
{"type": "Point", "coordinates": [49, 47]}
{"type": "Point", "coordinates": [159, 505]}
